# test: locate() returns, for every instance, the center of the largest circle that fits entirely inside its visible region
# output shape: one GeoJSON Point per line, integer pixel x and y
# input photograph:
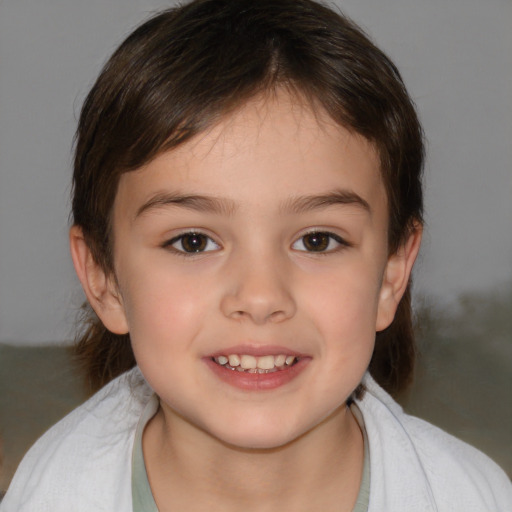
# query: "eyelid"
{"type": "Point", "coordinates": [342, 242]}
{"type": "Point", "coordinates": [169, 244]}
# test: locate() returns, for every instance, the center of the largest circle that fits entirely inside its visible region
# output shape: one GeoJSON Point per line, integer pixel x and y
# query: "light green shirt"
{"type": "Point", "coordinates": [142, 496]}
{"type": "Point", "coordinates": [363, 497]}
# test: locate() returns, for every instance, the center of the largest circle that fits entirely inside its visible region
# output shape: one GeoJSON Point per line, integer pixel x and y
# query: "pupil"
{"type": "Point", "coordinates": [316, 241]}
{"type": "Point", "coordinates": [194, 243]}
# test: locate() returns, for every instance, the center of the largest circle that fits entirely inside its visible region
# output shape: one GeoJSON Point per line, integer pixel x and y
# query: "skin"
{"type": "Point", "coordinates": [212, 446]}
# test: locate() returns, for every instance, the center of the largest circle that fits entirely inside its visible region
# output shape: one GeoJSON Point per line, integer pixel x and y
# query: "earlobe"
{"type": "Point", "coordinates": [99, 287]}
{"type": "Point", "coordinates": [396, 278]}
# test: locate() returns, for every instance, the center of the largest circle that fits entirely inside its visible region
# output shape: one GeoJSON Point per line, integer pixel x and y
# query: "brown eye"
{"type": "Point", "coordinates": [319, 241]}
{"type": "Point", "coordinates": [316, 241]}
{"type": "Point", "coordinates": [193, 243]}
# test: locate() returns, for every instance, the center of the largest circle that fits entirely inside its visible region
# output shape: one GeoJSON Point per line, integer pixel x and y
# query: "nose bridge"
{"type": "Point", "coordinates": [258, 286]}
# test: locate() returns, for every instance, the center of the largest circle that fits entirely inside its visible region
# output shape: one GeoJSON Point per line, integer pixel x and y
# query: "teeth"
{"type": "Point", "coordinates": [252, 364]}
{"type": "Point", "coordinates": [266, 362]}
{"type": "Point", "coordinates": [248, 362]}
{"type": "Point", "coordinates": [289, 360]}
{"type": "Point", "coordinates": [234, 360]}
{"type": "Point", "coordinates": [279, 360]}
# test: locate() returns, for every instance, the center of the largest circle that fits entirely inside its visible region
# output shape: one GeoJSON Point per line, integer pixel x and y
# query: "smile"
{"type": "Point", "coordinates": [246, 363]}
{"type": "Point", "coordinates": [257, 369]}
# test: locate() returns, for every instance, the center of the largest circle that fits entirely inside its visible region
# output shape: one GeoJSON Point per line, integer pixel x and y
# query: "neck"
{"type": "Point", "coordinates": [321, 470]}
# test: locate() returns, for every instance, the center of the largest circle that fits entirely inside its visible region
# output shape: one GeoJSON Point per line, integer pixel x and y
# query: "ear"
{"type": "Point", "coordinates": [100, 288]}
{"type": "Point", "coordinates": [396, 278]}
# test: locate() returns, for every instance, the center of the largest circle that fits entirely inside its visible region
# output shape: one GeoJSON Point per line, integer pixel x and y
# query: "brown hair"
{"type": "Point", "coordinates": [186, 68]}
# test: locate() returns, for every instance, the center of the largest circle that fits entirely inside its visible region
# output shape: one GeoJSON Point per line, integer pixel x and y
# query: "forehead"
{"type": "Point", "coordinates": [269, 151]}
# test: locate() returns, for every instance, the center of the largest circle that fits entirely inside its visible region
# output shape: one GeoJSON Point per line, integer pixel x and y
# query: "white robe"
{"type": "Point", "coordinates": [83, 464]}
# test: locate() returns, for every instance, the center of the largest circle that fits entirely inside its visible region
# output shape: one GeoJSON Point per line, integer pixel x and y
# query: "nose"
{"type": "Point", "coordinates": [258, 289]}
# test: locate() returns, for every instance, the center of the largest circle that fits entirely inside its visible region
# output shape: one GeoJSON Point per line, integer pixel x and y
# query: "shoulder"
{"type": "Point", "coordinates": [416, 463]}
{"type": "Point", "coordinates": [84, 461]}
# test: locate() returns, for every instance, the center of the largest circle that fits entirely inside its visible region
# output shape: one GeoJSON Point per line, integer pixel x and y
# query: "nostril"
{"type": "Point", "coordinates": [277, 315]}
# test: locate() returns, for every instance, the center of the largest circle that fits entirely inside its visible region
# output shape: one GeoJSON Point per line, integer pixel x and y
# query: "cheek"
{"type": "Point", "coordinates": [164, 321]}
{"type": "Point", "coordinates": [162, 308]}
{"type": "Point", "coordinates": [344, 314]}
{"type": "Point", "coordinates": [343, 301]}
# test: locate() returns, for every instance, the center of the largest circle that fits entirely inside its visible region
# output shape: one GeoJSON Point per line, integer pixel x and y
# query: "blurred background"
{"type": "Point", "coordinates": [455, 57]}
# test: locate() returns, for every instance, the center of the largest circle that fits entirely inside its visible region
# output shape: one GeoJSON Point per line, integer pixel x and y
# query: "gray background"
{"type": "Point", "coordinates": [455, 56]}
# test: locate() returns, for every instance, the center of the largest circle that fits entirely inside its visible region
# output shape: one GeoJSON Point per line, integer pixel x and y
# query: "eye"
{"type": "Point", "coordinates": [319, 241]}
{"type": "Point", "coordinates": [192, 243]}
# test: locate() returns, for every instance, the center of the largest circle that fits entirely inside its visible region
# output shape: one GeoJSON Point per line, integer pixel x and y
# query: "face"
{"type": "Point", "coordinates": [252, 272]}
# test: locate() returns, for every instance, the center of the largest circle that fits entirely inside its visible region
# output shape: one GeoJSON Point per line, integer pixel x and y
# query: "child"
{"type": "Point", "coordinates": [247, 210]}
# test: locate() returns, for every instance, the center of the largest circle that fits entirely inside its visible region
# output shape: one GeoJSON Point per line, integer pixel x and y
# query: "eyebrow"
{"type": "Point", "coordinates": [193, 202]}
{"type": "Point", "coordinates": [209, 204]}
{"type": "Point", "coordinates": [303, 204]}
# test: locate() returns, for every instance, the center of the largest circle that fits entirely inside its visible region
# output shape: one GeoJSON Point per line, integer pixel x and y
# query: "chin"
{"type": "Point", "coordinates": [257, 436]}
{"type": "Point", "coordinates": [257, 442]}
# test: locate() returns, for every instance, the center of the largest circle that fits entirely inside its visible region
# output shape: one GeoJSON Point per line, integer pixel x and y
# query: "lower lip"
{"type": "Point", "coordinates": [258, 381]}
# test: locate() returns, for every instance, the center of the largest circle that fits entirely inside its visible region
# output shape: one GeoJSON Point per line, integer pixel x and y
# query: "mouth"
{"type": "Point", "coordinates": [257, 370]}
{"type": "Point", "coordinates": [246, 363]}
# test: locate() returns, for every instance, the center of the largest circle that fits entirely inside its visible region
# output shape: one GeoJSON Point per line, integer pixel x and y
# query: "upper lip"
{"type": "Point", "coordinates": [256, 351]}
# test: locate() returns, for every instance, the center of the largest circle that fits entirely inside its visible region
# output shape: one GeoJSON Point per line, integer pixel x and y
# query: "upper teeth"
{"type": "Point", "coordinates": [248, 362]}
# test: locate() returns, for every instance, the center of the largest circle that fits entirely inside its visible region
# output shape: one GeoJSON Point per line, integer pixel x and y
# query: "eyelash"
{"type": "Point", "coordinates": [322, 237]}
{"type": "Point", "coordinates": [183, 236]}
